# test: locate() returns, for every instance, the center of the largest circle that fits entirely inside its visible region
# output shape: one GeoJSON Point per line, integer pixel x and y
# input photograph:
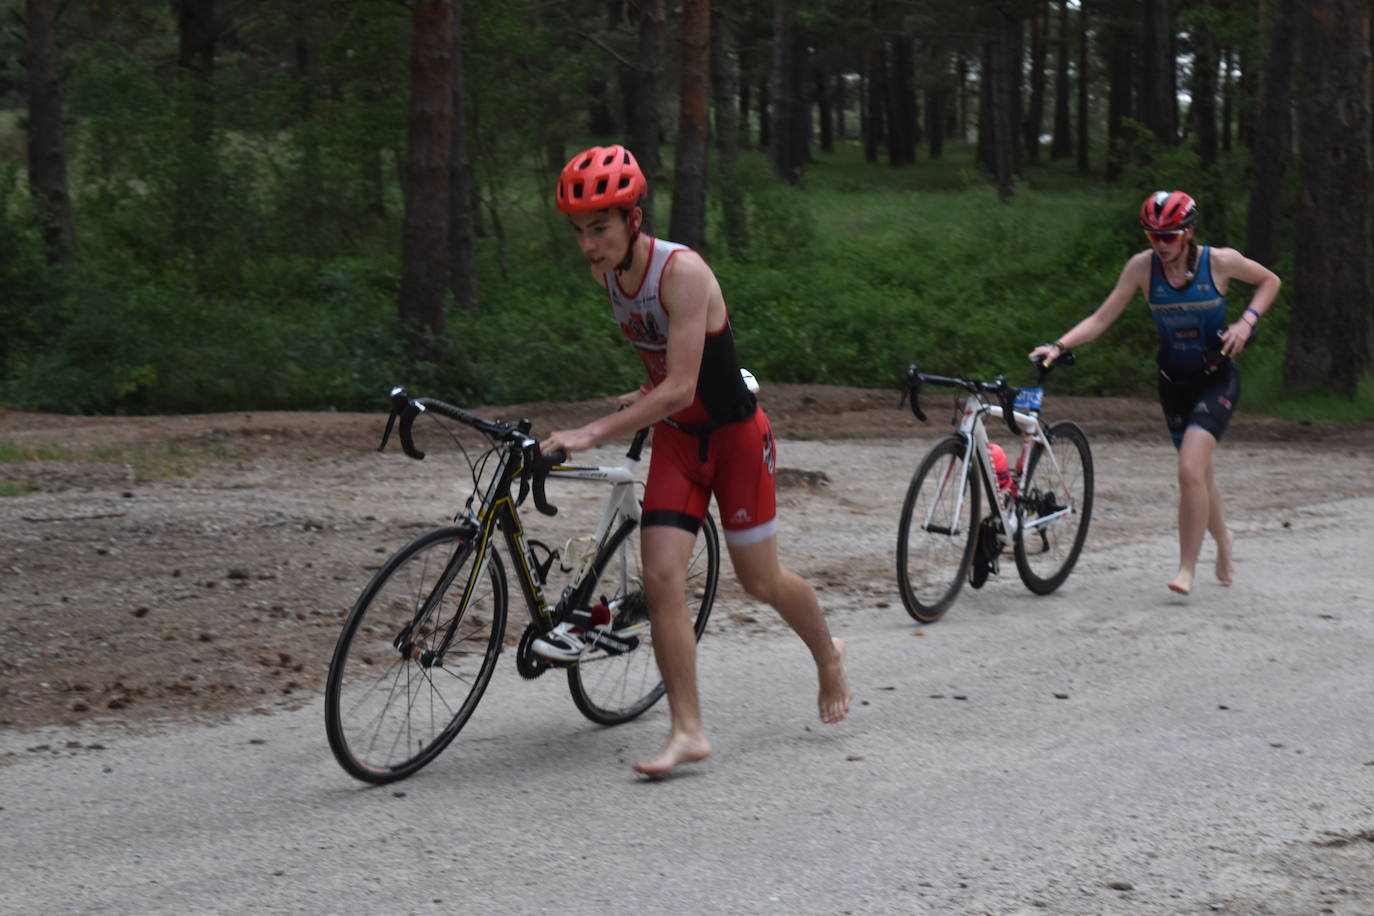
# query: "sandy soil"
{"type": "Point", "coordinates": [160, 568]}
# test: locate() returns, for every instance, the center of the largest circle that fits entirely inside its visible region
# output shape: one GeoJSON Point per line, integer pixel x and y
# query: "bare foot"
{"type": "Point", "coordinates": [1183, 582]}
{"type": "Point", "coordinates": [1226, 569]}
{"type": "Point", "coordinates": [835, 695]}
{"type": "Point", "coordinates": [678, 749]}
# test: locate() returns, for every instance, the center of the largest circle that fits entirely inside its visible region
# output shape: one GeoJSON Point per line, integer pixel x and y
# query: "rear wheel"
{"type": "Point", "coordinates": [399, 688]}
{"type": "Point", "coordinates": [935, 536]}
{"type": "Point", "coordinates": [1055, 506]}
{"type": "Point", "coordinates": [611, 688]}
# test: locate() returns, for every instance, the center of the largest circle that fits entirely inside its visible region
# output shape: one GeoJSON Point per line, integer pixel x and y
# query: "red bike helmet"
{"type": "Point", "coordinates": [1166, 211]}
{"type": "Point", "coordinates": [601, 178]}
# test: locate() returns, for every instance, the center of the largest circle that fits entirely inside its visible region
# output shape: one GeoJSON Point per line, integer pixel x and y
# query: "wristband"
{"type": "Point", "coordinates": [1251, 311]}
{"type": "Point", "coordinates": [1059, 345]}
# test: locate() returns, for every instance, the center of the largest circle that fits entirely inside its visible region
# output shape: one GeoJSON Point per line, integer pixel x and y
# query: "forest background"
{"type": "Point", "coordinates": [209, 205]}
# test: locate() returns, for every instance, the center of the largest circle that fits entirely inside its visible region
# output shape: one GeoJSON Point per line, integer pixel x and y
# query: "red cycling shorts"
{"type": "Point", "coordinates": [740, 465]}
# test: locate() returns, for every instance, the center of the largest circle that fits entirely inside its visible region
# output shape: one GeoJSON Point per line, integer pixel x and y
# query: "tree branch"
{"type": "Point", "coordinates": [609, 50]}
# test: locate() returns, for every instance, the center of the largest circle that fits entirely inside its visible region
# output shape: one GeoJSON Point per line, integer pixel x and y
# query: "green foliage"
{"type": "Point", "coordinates": [247, 257]}
{"type": "Point", "coordinates": [952, 279]}
{"type": "Point", "coordinates": [28, 288]}
{"type": "Point", "coordinates": [1263, 390]}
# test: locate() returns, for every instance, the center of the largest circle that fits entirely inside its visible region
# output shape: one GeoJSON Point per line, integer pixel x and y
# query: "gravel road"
{"type": "Point", "coordinates": [1112, 748]}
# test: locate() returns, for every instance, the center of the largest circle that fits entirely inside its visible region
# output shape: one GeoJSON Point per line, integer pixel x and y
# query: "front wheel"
{"type": "Point", "coordinates": [935, 537]}
{"type": "Point", "coordinates": [611, 688]}
{"type": "Point", "coordinates": [1055, 505]}
{"type": "Point", "coordinates": [414, 656]}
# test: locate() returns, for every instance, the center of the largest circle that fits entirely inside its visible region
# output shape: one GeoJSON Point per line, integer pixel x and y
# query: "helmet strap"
{"type": "Point", "coordinates": [633, 219]}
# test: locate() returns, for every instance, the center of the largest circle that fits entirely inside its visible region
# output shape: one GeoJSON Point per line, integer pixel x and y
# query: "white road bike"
{"type": "Point", "coordinates": [944, 540]}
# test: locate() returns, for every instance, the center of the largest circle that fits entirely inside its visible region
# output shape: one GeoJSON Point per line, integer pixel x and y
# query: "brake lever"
{"type": "Point", "coordinates": [913, 388]}
{"type": "Point", "coordinates": [542, 465]}
{"type": "Point", "coordinates": [407, 410]}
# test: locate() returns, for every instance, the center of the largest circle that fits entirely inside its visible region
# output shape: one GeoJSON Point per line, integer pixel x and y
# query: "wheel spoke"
{"type": "Point", "coordinates": [936, 531]}
{"type": "Point", "coordinates": [610, 688]}
{"type": "Point", "coordinates": [386, 723]}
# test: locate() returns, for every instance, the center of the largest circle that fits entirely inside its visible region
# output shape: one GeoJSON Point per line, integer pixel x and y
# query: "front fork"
{"type": "Point", "coordinates": [405, 642]}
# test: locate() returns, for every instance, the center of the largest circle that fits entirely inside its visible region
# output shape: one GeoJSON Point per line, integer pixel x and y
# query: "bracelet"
{"type": "Point", "coordinates": [1251, 311]}
{"type": "Point", "coordinates": [1059, 345]}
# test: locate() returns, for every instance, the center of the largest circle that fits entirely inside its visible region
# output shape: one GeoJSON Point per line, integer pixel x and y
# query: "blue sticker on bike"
{"type": "Point", "coordinates": [1029, 399]}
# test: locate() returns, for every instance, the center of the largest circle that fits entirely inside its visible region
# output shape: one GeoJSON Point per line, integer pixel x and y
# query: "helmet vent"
{"type": "Point", "coordinates": [601, 186]}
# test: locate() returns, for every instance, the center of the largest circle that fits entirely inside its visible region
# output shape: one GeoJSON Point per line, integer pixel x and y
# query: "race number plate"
{"type": "Point", "coordinates": [1029, 399]}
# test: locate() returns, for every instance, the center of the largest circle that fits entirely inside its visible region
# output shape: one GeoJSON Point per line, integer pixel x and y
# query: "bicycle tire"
{"type": "Point", "coordinates": [1045, 558]}
{"type": "Point", "coordinates": [933, 558]}
{"type": "Point", "coordinates": [390, 710]}
{"type": "Point", "coordinates": [611, 689]}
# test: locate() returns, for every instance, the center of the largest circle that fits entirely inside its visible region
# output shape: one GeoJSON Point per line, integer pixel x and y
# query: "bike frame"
{"type": "Point", "coordinates": [498, 511]}
{"type": "Point", "coordinates": [972, 429]}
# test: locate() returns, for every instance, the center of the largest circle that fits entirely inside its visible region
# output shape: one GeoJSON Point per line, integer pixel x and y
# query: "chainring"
{"type": "Point", "coordinates": [527, 663]}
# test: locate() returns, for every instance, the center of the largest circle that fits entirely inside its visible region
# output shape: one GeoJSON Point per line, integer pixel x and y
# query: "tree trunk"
{"type": "Point", "coordinates": [724, 89]}
{"type": "Point", "coordinates": [961, 74]}
{"type": "Point", "coordinates": [985, 154]}
{"type": "Point", "coordinates": [196, 37]}
{"type": "Point", "coordinates": [1204, 93]}
{"type": "Point", "coordinates": [1121, 71]}
{"type": "Point", "coordinates": [462, 267]}
{"type": "Point", "coordinates": [424, 256]}
{"type": "Point", "coordinates": [644, 128]}
{"type": "Point", "coordinates": [196, 175]}
{"type": "Point", "coordinates": [311, 189]}
{"type": "Point", "coordinates": [1273, 146]}
{"type": "Point", "coordinates": [1228, 108]}
{"type": "Point", "coordinates": [765, 114]}
{"type": "Point", "coordinates": [1062, 144]}
{"type": "Point", "coordinates": [1248, 97]}
{"type": "Point", "coordinates": [47, 148]}
{"type": "Point", "coordinates": [801, 110]}
{"type": "Point", "coordinates": [1014, 38]}
{"type": "Point", "coordinates": [782, 94]}
{"type": "Point", "coordinates": [1034, 123]}
{"type": "Point", "coordinates": [1157, 72]}
{"type": "Point", "coordinates": [742, 74]}
{"type": "Point", "coordinates": [937, 97]}
{"type": "Point", "coordinates": [826, 109]}
{"type": "Point", "coordinates": [875, 95]}
{"type": "Point", "coordinates": [1084, 79]}
{"type": "Point", "coordinates": [1332, 324]}
{"type": "Point", "coordinates": [838, 100]}
{"type": "Point", "coordinates": [689, 167]}
{"type": "Point", "coordinates": [1005, 80]}
{"type": "Point", "coordinates": [901, 142]}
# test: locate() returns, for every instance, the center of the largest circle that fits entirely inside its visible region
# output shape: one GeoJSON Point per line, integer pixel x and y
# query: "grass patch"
{"type": "Point", "coordinates": [1263, 391]}
{"type": "Point", "coordinates": [10, 488]}
{"type": "Point", "coordinates": [155, 462]}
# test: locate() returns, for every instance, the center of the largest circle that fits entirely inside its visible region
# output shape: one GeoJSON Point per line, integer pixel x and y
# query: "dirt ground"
{"type": "Point", "coordinates": [156, 569]}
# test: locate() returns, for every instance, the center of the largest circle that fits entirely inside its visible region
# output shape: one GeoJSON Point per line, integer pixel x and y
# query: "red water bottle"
{"type": "Point", "coordinates": [999, 467]}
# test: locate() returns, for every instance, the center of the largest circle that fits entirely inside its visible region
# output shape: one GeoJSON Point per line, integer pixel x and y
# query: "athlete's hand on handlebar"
{"type": "Point", "coordinates": [568, 441]}
{"type": "Point", "coordinates": [1047, 353]}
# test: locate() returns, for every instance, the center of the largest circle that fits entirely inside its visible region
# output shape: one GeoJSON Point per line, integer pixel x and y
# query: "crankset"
{"type": "Point", "coordinates": [986, 548]}
{"type": "Point", "coordinates": [527, 662]}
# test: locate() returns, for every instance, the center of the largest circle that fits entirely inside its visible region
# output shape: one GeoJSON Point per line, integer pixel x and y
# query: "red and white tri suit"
{"type": "Point", "coordinates": [721, 443]}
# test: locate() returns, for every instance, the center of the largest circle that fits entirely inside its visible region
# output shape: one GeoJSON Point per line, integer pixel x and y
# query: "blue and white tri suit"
{"type": "Point", "coordinates": [1197, 385]}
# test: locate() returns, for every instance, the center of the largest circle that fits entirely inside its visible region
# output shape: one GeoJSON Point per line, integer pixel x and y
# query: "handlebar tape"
{"type": "Point", "coordinates": [542, 465]}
